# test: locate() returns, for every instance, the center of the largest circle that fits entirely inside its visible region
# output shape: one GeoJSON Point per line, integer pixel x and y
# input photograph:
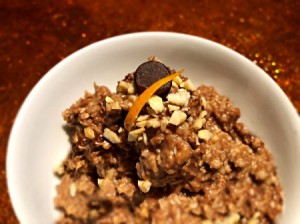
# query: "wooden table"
{"type": "Point", "coordinates": [35, 36]}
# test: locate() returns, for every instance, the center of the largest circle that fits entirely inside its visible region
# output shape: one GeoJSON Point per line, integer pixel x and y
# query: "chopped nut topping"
{"type": "Point", "coordinates": [232, 219]}
{"type": "Point", "coordinates": [141, 124]}
{"type": "Point", "coordinates": [111, 104]}
{"type": "Point", "coordinates": [131, 88]}
{"type": "Point", "coordinates": [188, 85]}
{"type": "Point", "coordinates": [203, 102]}
{"type": "Point", "coordinates": [154, 123]}
{"type": "Point", "coordinates": [133, 135]}
{"type": "Point", "coordinates": [132, 98]}
{"type": "Point", "coordinates": [179, 98]}
{"type": "Point", "coordinates": [151, 112]}
{"type": "Point", "coordinates": [111, 136]}
{"type": "Point", "coordinates": [174, 85]}
{"type": "Point", "coordinates": [145, 139]}
{"type": "Point", "coordinates": [100, 181]}
{"type": "Point", "coordinates": [177, 117]}
{"type": "Point", "coordinates": [184, 109]}
{"type": "Point", "coordinates": [108, 100]}
{"type": "Point", "coordinates": [153, 58]}
{"type": "Point", "coordinates": [254, 219]}
{"type": "Point", "coordinates": [84, 115]}
{"type": "Point", "coordinates": [72, 189]}
{"type": "Point", "coordinates": [177, 80]}
{"type": "Point", "coordinates": [115, 106]}
{"type": "Point", "coordinates": [164, 124]}
{"type": "Point", "coordinates": [106, 145]}
{"type": "Point", "coordinates": [111, 173]}
{"type": "Point", "coordinates": [144, 185]}
{"type": "Point", "coordinates": [89, 133]}
{"type": "Point", "coordinates": [142, 117]}
{"type": "Point", "coordinates": [59, 170]}
{"type": "Point", "coordinates": [199, 123]}
{"type": "Point", "coordinates": [203, 114]}
{"type": "Point", "coordinates": [156, 103]}
{"type": "Point", "coordinates": [75, 138]}
{"type": "Point", "coordinates": [204, 134]}
{"type": "Point", "coordinates": [173, 107]}
{"type": "Point", "coordinates": [123, 87]}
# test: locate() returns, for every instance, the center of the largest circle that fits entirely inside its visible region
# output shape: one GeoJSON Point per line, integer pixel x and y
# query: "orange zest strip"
{"type": "Point", "coordinates": [143, 99]}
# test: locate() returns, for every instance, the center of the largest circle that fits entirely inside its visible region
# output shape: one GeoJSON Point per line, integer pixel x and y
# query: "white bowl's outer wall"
{"type": "Point", "coordinates": [38, 142]}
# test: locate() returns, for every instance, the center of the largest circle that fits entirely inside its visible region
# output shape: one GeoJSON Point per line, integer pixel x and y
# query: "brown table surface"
{"type": "Point", "coordinates": [35, 36]}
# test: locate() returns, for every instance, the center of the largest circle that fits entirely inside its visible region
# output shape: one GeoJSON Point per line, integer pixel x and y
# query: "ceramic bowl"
{"type": "Point", "coordinates": [38, 142]}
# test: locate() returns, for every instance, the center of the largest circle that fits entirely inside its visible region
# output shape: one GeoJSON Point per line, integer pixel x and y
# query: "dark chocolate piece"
{"type": "Point", "coordinates": [150, 72]}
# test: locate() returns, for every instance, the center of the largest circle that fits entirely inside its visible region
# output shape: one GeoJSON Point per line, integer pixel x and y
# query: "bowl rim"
{"type": "Point", "coordinates": [123, 37]}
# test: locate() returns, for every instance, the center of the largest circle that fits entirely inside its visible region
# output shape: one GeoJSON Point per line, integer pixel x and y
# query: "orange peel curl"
{"type": "Point", "coordinates": [143, 99]}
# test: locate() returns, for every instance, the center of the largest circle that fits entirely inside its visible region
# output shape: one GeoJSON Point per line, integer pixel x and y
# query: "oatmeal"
{"type": "Point", "coordinates": [185, 159]}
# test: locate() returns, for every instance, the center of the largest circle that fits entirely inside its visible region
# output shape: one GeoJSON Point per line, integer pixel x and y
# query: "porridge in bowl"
{"type": "Point", "coordinates": [161, 151]}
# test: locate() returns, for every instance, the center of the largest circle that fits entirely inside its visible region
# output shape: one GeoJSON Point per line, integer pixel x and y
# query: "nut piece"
{"type": "Point", "coordinates": [59, 170]}
{"type": "Point", "coordinates": [203, 113]}
{"type": "Point", "coordinates": [111, 104]}
{"type": "Point", "coordinates": [174, 85]}
{"type": "Point", "coordinates": [89, 133]}
{"type": "Point", "coordinates": [84, 115]}
{"type": "Point", "coordinates": [106, 145]}
{"type": "Point", "coordinates": [100, 182]}
{"type": "Point", "coordinates": [133, 135]}
{"type": "Point", "coordinates": [111, 136]}
{"type": "Point", "coordinates": [164, 124]}
{"type": "Point", "coordinates": [141, 124]}
{"type": "Point", "coordinates": [203, 102]}
{"type": "Point", "coordinates": [173, 107]}
{"type": "Point", "coordinates": [204, 134]}
{"type": "Point", "coordinates": [232, 219]}
{"type": "Point", "coordinates": [131, 88]}
{"type": "Point", "coordinates": [115, 106]}
{"type": "Point", "coordinates": [188, 85]}
{"type": "Point", "coordinates": [156, 103]}
{"type": "Point", "coordinates": [199, 123]}
{"type": "Point", "coordinates": [123, 87]}
{"type": "Point", "coordinates": [177, 80]}
{"type": "Point", "coordinates": [144, 185]}
{"type": "Point", "coordinates": [72, 189]}
{"type": "Point", "coordinates": [177, 117]}
{"type": "Point", "coordinates": [145, 139]}
{"type": "Point", "coordinates": [142, 118]}
{"type": "Point", "coordinates": [180, 98]}
{"type": "Point", "coordinates": [255, 218]}
{"type": "Point", "coordinates": [151, 112]}
{"type": "Point", "coordinates": [108, 100]}
{"type": "Point", "coordinates": [154, 123]}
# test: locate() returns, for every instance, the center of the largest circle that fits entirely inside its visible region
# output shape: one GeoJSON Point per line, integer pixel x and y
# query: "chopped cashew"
{"type": "Point", "coordinates": [111, 136]}
{"type": "Point", "coordinates": [199, 123]}
{"type": "Point", "coordinates": [89, 133]}
{"type": "Point", "coordinates": [133, 135]}
{"type": "Point", "coordinates": [179, 98]}
{"type": "Point", "coordinates": [177, 117]}
{"type": "Point", "coordinates": [188, 85]}
{"type": "Point", "coordinates": [173, 107]}
{"type": "Point", "coordinates": [144, 185]}
{"type": "Point", "coordinates": [204, 134]}
{"type": "Point", "coordinates": [156, 103]}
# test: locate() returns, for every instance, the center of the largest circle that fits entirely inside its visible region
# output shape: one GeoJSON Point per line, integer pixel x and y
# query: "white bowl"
{"type": "Point", "coordinates": [38, 142]}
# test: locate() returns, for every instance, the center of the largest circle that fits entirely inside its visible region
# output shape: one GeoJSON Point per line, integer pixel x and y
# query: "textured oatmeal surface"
{"type": "Point", "coordinates": [187, 159]}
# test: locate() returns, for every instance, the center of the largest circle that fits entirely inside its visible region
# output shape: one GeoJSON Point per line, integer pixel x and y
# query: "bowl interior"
{"type": "Point", "coordinates": [38, 142]}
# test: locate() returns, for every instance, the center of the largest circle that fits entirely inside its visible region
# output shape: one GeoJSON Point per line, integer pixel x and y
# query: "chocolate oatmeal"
{"type": "Point", "coordinates": [179, 155]}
